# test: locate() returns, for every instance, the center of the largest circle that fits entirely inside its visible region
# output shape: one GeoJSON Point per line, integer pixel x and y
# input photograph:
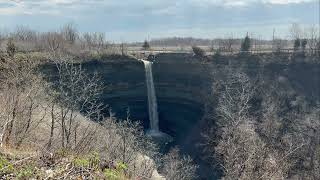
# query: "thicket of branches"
{"type": "Point", "coordinates": [63, 113]}
{"type": "Point", "coordinates": [262, 131]}
{"type": "Point", "coordinates": [279, 139]}
{"type": "Point", "coordinates": [67, 39]}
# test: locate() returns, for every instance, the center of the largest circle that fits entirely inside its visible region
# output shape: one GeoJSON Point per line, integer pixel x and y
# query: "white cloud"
{"type": "Point", "coordinates": [136, 18]}
{"type": "Point", "coordinates": [50, 7]}
{"type": "Point", "coordinates": [53, 6]}
{"type": "Point", "coordinates": [232, 3]}
{"type": "Point", "coordinates": [286, 1]}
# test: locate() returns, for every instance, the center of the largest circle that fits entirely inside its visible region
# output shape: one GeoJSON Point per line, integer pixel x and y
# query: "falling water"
{"type": "Point", "coordinates": [152, 99]}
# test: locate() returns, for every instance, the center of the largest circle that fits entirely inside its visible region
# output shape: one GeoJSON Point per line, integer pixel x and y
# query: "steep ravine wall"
{"type": "Point", "coordinates": [181, 83]}
{"type": "Point", "coordinates": [178, 91]}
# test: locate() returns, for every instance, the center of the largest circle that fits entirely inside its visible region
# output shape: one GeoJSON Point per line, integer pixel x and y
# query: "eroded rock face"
{"type": "Point", "coordinates": [182, 83]}
{"type": "Point", "coordinates": [179, 89]}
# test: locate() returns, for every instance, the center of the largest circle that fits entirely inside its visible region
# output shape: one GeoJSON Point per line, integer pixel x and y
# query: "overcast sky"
{"type": "Point", "coordinates": [136, 20]}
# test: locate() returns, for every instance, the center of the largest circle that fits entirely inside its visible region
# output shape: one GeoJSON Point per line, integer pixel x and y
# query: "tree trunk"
{"type": "Point", "coordinates": [52, 126]}
{"type": "Point", "coordinates": [7, 134]}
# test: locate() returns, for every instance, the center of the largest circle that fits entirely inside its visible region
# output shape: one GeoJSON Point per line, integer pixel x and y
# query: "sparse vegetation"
{"type": "Point", "coordinates": [55, 126]}
{"type": "Point", "coordinates": [176, 167]}
{"type": "Point", "coordinates": [251, 146]}
{"type": "Point", "coordinates": [56, 118]}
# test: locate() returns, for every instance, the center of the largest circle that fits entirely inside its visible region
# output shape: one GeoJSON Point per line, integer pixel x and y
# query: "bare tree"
{"type": "Point", "coordinates": [228, 43]}
{"type": "Point", "coordinates": [53, 41]}
{"type": "Point", "coordinates": [313, 38]}
{"type": "Point", "coordinates": [176, 167]}
{"type": "Point", "coordinates": [74, 91]}
{"type": "Point", "coordinates": [21, 88]}
{"type": "Point", "coordinates": [278, 45]}
{"type": "Point", "coordinates": [234, 123]}
{"type": "Point", "coordinates": [23, 33]}
{"type": "Point", "coordinates": [88, 40]}
{"type": "Point", "coordinates": [94, 41]}
{"type": "Point", "coordinates": [296, 34]}
{"type": "Point", "coordinates": [124, 141]}
{"type": "Point", "coordinates": [1, 40]}
{"type": "Point", "coordinates": [248, 147]}
{"type": "Point", "coordinates": [69, 33]}
{"type": "Point", "coordinates": [295, 31]}
{"type": "Point", "coordinates": [123, 49]}
{"type": "Point", "coordinates": [100, 41]}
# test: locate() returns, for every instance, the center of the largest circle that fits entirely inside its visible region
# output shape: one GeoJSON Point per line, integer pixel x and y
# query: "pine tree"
{"type": "Point", "coordinates": [146, 45]}
{"type": "Point", "coordinates": [304, 43]}
{"type": "Point", "coordinates": [246, 44]}
{"type": "Point", "coordinates": [297, 44]}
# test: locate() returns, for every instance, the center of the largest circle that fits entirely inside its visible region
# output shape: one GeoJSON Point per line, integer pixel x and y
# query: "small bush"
{"type": "Point", "coordinates": [11, 48]}
{"type": "Point", "coordinates": [122, 166]}
{"type": "Point", "coordinates": [25, 173]}
{"type": "Point", "coordinates": [89, 161]}
{"type": "Point", "coordinates": [179, 167]}
{"type": "Point", "coordinates": [198, 51]}
{"type": "Point", "coordinates": [81, 162]}
{"type": "Point", "coordinates": [5, 166]}
{"type": "Point", "coordinates": [118, 173]}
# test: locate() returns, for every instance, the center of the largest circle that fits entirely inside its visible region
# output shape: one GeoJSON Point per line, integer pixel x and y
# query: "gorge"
{"type": "Point", "coordinates": [182, 83]}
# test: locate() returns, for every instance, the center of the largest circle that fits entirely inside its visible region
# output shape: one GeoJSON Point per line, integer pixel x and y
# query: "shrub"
{"type": "Point", "coordinates": [25, 173]}
{"type": "Point", "coordinates": [90, 161]}
{"type": "Point", "coordinates": [11, 48]}
{"type": "Point", "coordinates": [177, 167]}
{"type": "Point", "coordinates": [81, 162]}
{"type": "Point", "coordinates": [217, 53]}
{"type": "Point", "coordinates": [198, 51]}
{"type": "Point", "coordinates": [118, 173]}
{"type": "Point", "coordinates": [5, 166]}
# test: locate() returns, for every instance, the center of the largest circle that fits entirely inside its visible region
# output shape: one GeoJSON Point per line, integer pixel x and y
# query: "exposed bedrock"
{"type": "Point", "coordinates": [181, 83]}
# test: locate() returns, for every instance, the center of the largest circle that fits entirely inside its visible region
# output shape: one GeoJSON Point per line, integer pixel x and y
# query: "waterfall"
{"type": "Point", "coordinates": [152, 99]}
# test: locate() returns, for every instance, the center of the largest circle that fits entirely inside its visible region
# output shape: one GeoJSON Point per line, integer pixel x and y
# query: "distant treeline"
{"type": "Point", "coordinates": [69, 38]}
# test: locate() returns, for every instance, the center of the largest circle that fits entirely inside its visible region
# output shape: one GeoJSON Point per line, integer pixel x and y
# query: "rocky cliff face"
{"type": "Point", "coordinates": [182, 82]}
{"type": "Point", "coordinates": [179, 89]}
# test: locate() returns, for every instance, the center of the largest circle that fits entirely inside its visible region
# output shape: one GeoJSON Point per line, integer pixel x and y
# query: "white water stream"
{"type": "Point", "coordinates": [152, 98]}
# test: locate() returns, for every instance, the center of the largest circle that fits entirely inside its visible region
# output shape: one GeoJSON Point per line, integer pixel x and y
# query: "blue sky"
{"type": "Point", "coordinates": [136, 20]}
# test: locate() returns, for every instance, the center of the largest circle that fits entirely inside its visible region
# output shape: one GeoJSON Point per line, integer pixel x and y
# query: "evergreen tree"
{"type": "Point", "coordinates": [304, 44]}
{"type": "Point", "coordinates": [297, 44]}
{"type": "Point", "coordinates": [198, 51]}
{"type": "Point", "coordinates": [246, 44]}
{"type": "Point", "coordinates": [146, 45]}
